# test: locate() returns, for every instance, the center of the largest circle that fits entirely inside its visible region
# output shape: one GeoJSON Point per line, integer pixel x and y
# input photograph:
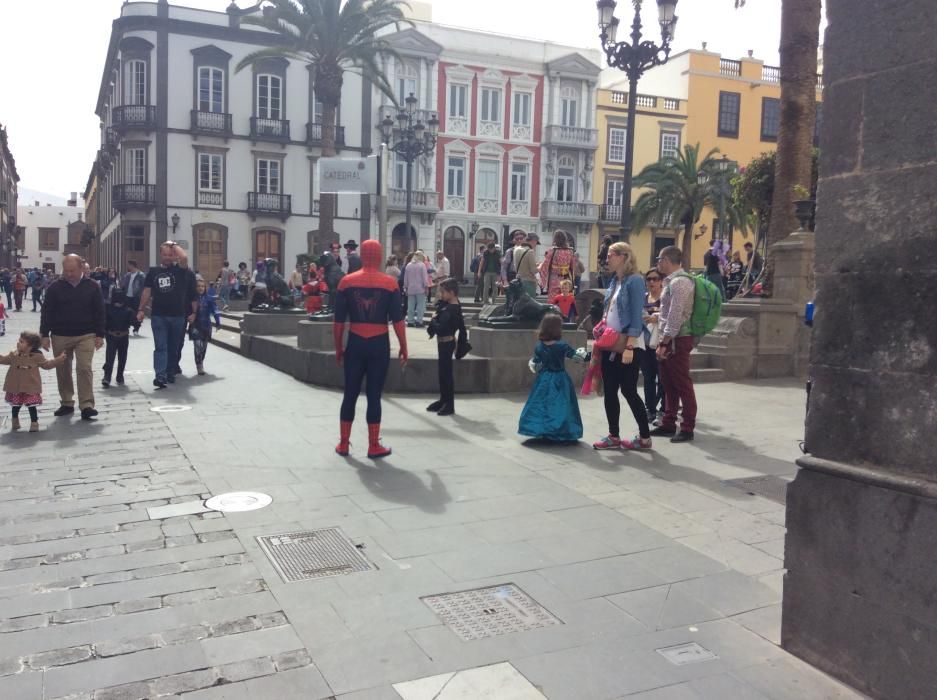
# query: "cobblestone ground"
{"type": "Point", "coordinates": [107, 592]}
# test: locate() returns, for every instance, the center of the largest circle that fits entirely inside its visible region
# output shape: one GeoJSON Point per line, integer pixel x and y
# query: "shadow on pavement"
{"type": "Point", "coordinates": [401, 486]}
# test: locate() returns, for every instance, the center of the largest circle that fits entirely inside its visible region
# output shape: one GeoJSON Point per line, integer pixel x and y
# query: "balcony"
{"type": "Point", "coordinates": [270, 129]}
{"type": "Point", "coordinates": [210, 198]}
{"type": "Point", "coordinates": [214, 123]}
{"type": "Point", "coordinates": [314, 134]}
{"type": "Point", "coordinates": [128, 117]}
{"type": "Point", "coordinates": [267, 204]}
{"type": "Point", "coordinates": [730, 68]}
{"type": "Point", "coordinates": [575, 136]}
{"type": "Point", "coordinates": [610, 214]}
{"type": "Point", "coordinates": [579, 212]}
{"type": "Point", "coordinates": [424, 201]}
{"type": "Point", "coordinates": [126, 197]}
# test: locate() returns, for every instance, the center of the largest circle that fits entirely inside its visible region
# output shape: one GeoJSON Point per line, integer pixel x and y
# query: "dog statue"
{"type": "Point", "coordinates": [278, 291]}
{"type": "Point", "coordinates": [519, 308]}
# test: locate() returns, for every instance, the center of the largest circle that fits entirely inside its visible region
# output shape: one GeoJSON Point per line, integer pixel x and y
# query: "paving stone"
{"type": "Point", "coordinates": [185, 634]}
{"type": "Point", "coordinates": [127, 646]}
{"type": "Point", "coordinates": [146, 546]}
{"type": "Point", "coordinates": [247, 624]}
{"type": "Point", "coordinates": [251, 668]}
{"type": "Point", "coordinates": [28, 622]}
{"type": "Point", "coordinates": [62, 585]}
{"type": "Point", "coordinates": [208, 563]}
{"type": "Point", "coordinates": [274, 619]}
{"type": "Point", "coordinates": [59, 657]}
{"type": "Point", "coordinates": [185, 682]}
{"type": "Point", "coordinates": [110, 577]}
{"type": "Point", "coordinates": [160, 570]}
{"type": "Point", "coordinates": [132, 606]}
{"type": "Point", "coordinates": [109, 551]}
{"type": "Point", "coordinates": [80, 614]}
{"type": "Point", "coordinates": [129, 691]}
{"type": "Point", "coordinates": [10, 666]}
{"type": "Point", "coordinates": [190, 596]}
{"type": "Point", "coordinates": [292, 659]}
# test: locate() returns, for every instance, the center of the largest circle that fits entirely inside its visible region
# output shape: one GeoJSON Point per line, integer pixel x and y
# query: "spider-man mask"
{"type": "Point", "coordinates": [371, 255]}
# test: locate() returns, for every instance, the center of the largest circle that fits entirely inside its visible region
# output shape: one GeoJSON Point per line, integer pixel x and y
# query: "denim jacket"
{"type": "Point", "coordinates": [630, 304]}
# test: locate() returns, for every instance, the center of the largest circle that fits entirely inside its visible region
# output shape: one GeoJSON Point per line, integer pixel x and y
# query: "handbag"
{"type": "Point", "coordinates": [605, 337]}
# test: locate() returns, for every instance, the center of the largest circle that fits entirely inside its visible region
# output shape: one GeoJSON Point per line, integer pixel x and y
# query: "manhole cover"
{"type": "Point", "coordinates": [774, 488]}
{"type": "Point", "coordinates": [312, 554]}
{"type": "Point", "coordinates": [238, 501]}
{"type": "Point", "coordinates": [683, 654]}
{"type": "Point", "coordinates": [490, 612]}
{"type": "Point", "coordinates": [170, 408]}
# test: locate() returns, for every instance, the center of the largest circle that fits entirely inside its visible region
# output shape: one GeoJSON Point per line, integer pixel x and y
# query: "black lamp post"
{"type": "Point", "coordinates": [410, 139]}
{"type": "Point", "coordinates": [634, 59]}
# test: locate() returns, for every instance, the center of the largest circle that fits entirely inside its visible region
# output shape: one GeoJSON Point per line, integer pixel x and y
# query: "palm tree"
{"type": "Point", "coordinates": [334, 37]}
{"type": "Point", "coordinates": [676, 193]}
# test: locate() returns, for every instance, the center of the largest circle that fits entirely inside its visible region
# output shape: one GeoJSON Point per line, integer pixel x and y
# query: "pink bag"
{"type": "Point", "coordinates": [605, 337]}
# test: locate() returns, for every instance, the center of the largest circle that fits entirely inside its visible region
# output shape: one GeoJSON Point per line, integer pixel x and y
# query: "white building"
{"type": "Point", "coordinates": [49, 232]}
{"type": "Point", "coordinates": [222, 161]}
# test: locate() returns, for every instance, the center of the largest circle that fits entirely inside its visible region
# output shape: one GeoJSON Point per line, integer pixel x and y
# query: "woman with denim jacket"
{"type": "Point", "coordinates": [624, 312]}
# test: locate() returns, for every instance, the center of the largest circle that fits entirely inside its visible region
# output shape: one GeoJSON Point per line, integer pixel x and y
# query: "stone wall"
{"type": "Point", "coordinates": [860, 598]}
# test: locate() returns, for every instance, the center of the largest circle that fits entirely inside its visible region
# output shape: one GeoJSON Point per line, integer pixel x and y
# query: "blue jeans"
{"type": "Point", "coordinates": [167, 332]}
{"type": "Point", "coordinates": [416, 307]}
{"type": "Point", "coordinates": [225, 294]}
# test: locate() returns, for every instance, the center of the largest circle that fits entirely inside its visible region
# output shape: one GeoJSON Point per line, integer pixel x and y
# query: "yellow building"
{"type": "Point", "coordinates": [732, 105]}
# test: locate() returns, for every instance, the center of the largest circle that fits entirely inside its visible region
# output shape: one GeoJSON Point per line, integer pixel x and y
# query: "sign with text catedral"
{"type": "Point", "coordinates": [348, 175]}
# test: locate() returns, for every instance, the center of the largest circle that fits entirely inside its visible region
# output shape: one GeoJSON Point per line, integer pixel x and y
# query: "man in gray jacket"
{"type": "Point", "coordinates": [525, 263]}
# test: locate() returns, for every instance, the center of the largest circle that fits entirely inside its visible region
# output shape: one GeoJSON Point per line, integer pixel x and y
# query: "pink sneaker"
{"type": "Point", "coordinates": [609, 442]}
{"type": "Point", "coordinates": [636, 443]}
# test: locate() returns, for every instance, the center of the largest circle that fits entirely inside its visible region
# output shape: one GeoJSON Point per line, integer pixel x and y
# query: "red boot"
{"type": "Point", "coordinates": [375, 449]}
{"type": "Point", "coordinates": [342, 447]}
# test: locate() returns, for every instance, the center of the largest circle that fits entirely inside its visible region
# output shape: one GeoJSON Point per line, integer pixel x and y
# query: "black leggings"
{"type": "Point", "coordinates": [446, 373]}
{"type": "Point", "coordinates": [653, 387]}
{"type": "Point", "coordinates": [33, 413]}
{"type": "Point", "coordinates": [615, 377]}
{"type": "Point", "coordinates": [365, 357]}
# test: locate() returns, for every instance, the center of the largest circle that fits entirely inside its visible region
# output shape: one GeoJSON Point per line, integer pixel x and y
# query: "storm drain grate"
{"type": "Point", "coordinates": [774, 488]}
{"type": "Point", "coordinates": [490, 612]}
{"type": "Point", "coordinates": [683, 654]}
{"type": "Point", "coordinates": [312, 554]}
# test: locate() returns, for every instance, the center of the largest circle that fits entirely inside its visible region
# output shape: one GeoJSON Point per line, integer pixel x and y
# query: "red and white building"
{"type": "Point", "coordinates": [516, 144]}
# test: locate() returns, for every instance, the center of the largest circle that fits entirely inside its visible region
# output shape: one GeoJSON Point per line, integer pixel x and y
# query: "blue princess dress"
{"type": "Point", "coordinates": [552, 411]}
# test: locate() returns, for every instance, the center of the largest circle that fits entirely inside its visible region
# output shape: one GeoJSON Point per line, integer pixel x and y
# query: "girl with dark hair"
{"type": "Point", "coordinates": [446, 323]}
{"type": "Point", "coordinates": [552, 410]}
{"type": "Point", "coordinates": [23, 385]}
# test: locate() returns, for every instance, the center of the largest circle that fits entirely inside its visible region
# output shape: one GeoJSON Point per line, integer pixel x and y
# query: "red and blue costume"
{"type": "Point", "coordinates": [367, 300]}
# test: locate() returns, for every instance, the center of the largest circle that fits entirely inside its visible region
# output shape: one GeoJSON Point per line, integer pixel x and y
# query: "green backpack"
{"type": "Point", "coordinates": [707, 307]}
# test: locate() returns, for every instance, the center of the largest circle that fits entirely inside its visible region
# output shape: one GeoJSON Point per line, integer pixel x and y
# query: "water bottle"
{"type": "Point", "coordinates": [808, 314]}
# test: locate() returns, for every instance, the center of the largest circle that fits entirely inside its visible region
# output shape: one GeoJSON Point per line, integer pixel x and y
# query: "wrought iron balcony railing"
{"type": "Point", "coordinates": [269, 204]}
{"type": "Point", "coordinates": [314, 134]}
{"type": "Point", "coordinates": [133, 197]}
{"type": "Point", "coordinates": [134, 117]}
{"type": "Point", "coordinates": [218, 123]}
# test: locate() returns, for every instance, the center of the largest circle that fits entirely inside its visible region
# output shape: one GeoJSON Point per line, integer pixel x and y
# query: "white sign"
{"type": "Point", "coordinates": [348, 175]}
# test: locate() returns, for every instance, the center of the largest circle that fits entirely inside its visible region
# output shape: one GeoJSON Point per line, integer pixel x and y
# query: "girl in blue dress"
{"type": "Point", "coordinates": [552, 410]}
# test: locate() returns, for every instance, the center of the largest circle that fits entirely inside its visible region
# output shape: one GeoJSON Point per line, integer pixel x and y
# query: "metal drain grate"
{"type": "Point", "coordinates": [683, 654]}
{"type": "Point", "coordinates": [490, 612]}
{"type": "Point", "coordinates": [774, 488]}
{"type": "Point", "coordinates": [312, 554]}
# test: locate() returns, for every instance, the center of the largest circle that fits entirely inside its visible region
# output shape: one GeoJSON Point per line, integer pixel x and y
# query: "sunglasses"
{"type": "Point", "coordinates": [653, 279]}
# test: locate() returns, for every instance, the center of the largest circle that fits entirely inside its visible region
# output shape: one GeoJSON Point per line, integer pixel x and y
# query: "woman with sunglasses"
{"type": "Point", "coordinates": [653, 389]}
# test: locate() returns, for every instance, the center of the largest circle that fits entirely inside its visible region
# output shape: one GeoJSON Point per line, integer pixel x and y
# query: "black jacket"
{"type": "Point", "coordinates": [71, 311]}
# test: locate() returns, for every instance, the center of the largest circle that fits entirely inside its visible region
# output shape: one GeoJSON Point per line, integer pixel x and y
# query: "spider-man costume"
{"type": "Point", "coordinates": [367, 299]}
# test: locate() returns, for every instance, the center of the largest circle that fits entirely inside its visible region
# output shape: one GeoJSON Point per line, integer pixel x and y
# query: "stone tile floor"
{"type": "Point", "coordinates": [106, 594]}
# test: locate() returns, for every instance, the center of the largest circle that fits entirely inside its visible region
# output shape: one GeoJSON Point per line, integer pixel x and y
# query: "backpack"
{"type": "Point", "coordinates": [473, 266]}
{"type": "Point", "coordinates": [707, 307]}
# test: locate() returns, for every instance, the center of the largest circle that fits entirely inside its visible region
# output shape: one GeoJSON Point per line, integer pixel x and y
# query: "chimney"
{"type": "Point", "coordinates": [73, 200]}
{"type": "Point", "coordinates": [37, 203]}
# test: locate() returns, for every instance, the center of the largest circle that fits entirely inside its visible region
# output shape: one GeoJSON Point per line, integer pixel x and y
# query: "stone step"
{"type": "Point", "coordinates": [707, 375]}
{"type": "Point", "coordinates": [700, 360]}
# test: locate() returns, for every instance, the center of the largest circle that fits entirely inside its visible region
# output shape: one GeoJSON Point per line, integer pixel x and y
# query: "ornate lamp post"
{"type": "Point", "coordinates": [410, 139]}
{"type": "Point", "coordinates": [634, 59]}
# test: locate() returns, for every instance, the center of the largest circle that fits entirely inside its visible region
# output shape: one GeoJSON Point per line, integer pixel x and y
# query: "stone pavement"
{"type": "Point", "coordinates": [106, 594]}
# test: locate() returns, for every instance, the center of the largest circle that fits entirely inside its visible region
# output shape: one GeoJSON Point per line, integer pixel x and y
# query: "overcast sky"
{"type": "Point", "coordinates": [53, 51]}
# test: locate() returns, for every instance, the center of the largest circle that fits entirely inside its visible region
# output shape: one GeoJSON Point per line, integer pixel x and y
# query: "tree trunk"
{"type": "Point", "coordinates": [687, 246]}
{"type": "Point", "coordinates": [800, 38]}
{"type": "Point", "coordinates": [328, 88]}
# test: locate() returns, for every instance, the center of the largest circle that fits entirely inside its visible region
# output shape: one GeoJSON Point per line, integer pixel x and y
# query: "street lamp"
{"type": "Point", "coordinates": [634, 59]}
{"type": "Point", "coordinates": [410, 139]}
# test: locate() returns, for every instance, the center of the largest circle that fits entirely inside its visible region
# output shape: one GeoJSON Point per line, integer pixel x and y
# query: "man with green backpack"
{"type": "Point", "coordinates": [689, 309]}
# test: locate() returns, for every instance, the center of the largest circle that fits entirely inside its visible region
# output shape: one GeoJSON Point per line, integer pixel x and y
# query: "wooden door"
{"type": "Point", "coordinates": [209, 252]}
{"type": "Point", "coordinates": [268, 244]}
{"type": "Point", "coordinates": [454, 248]}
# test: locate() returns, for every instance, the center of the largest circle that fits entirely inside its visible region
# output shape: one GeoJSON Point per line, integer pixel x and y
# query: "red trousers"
{"type": "Point", "coordinates": [678, 387]}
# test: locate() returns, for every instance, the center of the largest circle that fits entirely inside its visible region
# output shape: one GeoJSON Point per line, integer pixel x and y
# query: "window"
{"type": "Point", "coordinates": [729, 104]}
{"type": "Point", "coordinates": [317, 109]}
{"type": "Point", "coordinates": [268, 176]}
{"type": "Point", "coordinates": [519, 182]}
{"type": "Point", "coordinates": [616, 145]}
{"type": "Point", "coordinates": [565, 180]}
{"type": "Point", "coordinates": [136, 166]}
{"type": "Point", "coordinates": [491, 105]}
{"type": "Point", "coordinates": [269, 91]}
{"type": "Point", "coordinates": [48, 239]}
{"type": "Point", "coordinates": [455, 177]}
{"type": "Point", "coordinates": [457, 99]}
{"type": "Point", "coordinates": [770, 118]}
{"type": "Point", "coordinates": [406, 82]}
{"type": "Point", "coordinates": [209, 172]}
{"type": "Point", "coordinates": [569, 115]}
{"type": "Point", "coordinates": [400, 172]}
{"type": "Point", "coordinates": [669, 144]}
{"type": "Point", "coordinates": [613, 190]}
{"type": "Point", "coordinates": [521, 113]}
{"type": "Point", "coordinates": [210, 90]}
{"type": "Point", "coordinates": [135, 83]}
{"type": "Point", "coordinates": [488, 179]}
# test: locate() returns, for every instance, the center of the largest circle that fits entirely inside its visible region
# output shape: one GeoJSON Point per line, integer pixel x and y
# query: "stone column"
{"type": "Point", "coordinates": [860, 595]}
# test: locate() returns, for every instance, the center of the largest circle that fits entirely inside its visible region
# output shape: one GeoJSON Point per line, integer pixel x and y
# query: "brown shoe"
{"type": "Point", "coordinates": [34, 427]}
{"type": "Point", "coordinates": [15, 424]}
